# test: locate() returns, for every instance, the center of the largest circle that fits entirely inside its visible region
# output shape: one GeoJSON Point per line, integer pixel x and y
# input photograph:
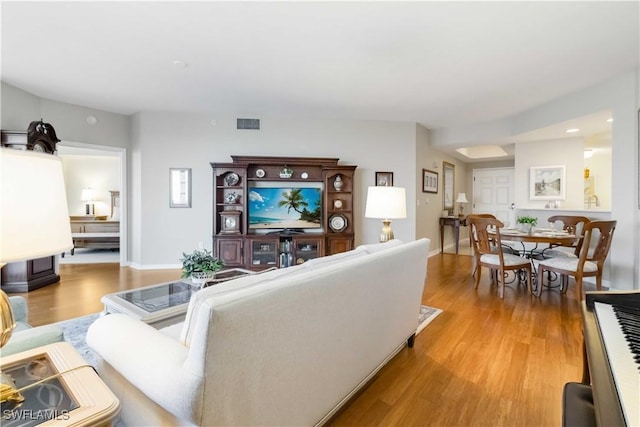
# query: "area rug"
{"type": "Point", "coordinates": [75, 333]}
{"type": "Point", "coordinates": [426, 316]}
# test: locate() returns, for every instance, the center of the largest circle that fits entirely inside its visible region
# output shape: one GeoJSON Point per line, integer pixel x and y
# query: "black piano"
{"type": "Point", "coordinates": [609, 365]}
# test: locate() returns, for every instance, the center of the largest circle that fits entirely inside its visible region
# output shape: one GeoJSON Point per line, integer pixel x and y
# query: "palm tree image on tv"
{"type": "Point", "coordinates": [285, 208]}
{"type": "Point", "coordinates": [295, 200]}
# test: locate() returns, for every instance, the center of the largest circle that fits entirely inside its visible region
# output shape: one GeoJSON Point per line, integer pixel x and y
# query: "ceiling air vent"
{"type": "Point", "coordinates": [253, 124]}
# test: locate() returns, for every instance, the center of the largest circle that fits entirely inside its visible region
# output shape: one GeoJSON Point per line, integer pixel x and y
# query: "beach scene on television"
{"type": "Point", "coordinates": [285, 208]}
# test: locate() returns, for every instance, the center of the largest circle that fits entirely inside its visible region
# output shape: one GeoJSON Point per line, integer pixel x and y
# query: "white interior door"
{"type": "Point", "coordinates": [493, 192]}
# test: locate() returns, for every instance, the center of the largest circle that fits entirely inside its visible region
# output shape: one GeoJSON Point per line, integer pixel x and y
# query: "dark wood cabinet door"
{"type": "Point", "coordinates": [337, 244]}
{"type": "Point", "coordinates": [229, 250]}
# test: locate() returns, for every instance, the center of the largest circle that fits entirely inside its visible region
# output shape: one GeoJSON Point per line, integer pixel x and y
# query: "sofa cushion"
{"type": "Point", "coordinates": [230, 286]}
{"type": "Point", "coordinates": [325, 261]}
{"type": "Point", "coordinates": [377, 247]}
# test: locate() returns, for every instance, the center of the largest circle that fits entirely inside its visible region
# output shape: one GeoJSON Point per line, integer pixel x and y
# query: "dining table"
{"type": "Point", "coordinates": [539, 240]}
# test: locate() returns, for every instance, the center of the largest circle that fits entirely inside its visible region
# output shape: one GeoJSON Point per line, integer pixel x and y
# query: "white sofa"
{"type": "Point", "coordinates": [287, 347]}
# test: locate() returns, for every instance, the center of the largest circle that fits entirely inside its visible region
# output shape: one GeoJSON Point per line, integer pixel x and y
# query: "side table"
{"type": "Point", "coordinates": [454, 222]}
{"type": "Point", "coordinates": [78, 397]}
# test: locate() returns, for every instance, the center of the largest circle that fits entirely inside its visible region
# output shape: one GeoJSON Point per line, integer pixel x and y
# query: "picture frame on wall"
{"type": "Point", "coordinates": [384, 179]}
{"type": "Point", "coordinates": [429, 181]}
{"type": "Point", "coordinates": [180, 187]}
{"type": "Point", "coordinates": [547, 183]}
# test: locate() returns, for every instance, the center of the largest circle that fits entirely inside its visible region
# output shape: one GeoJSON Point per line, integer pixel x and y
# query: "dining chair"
{"type": "Point", "coordinates": [472, 237]}
{"type": "Point", "coordinates": [572, 225]}
{"type": "Point", "coordinates": [589, 263]}
{"type": "Point", "coordinates": [489, 252]}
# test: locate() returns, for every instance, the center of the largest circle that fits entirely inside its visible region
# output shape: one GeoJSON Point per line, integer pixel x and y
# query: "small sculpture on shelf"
{"type": "Point", "coordinates": [286, 172]}
{"type": "Point", "coordinates": [338, 183]}
{"type": "Point", "coordinates": [232, 197]}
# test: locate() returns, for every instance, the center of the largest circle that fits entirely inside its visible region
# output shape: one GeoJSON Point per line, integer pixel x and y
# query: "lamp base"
{"type": "Point", "coordinates": [8, 390]}
{"type": "Point", "coordinates": [386, 233]}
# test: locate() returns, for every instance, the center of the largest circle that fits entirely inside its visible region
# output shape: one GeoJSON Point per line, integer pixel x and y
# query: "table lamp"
{"type": "Point", "coordinates": [34, 223]}
{"type": "Point", "coordinates": [462, 198]}
{"type": "Point", "coordinates": [89, 196]}
{"type": "Point", "coordinates": [386, 203]}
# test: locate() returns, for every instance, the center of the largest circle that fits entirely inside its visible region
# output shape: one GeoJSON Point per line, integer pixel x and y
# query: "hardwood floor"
{"type": "Point", "coordinates": [483, 361]}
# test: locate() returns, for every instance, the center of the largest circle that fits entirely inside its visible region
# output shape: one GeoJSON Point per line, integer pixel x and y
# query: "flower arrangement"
{"type": "Point", "coordinates": [199, 261]}
{"type": "Point", "coordinates": [527, 220]}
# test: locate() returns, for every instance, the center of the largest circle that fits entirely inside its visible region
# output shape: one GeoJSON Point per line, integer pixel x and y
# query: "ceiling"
{"type": "Point", "coordinates": [441, 64]}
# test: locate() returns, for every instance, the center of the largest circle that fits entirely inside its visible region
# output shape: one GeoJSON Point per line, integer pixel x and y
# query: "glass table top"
{"type": "Point", "coordinates": [158, 298]}
{"type": "Point", "coordinates": [49, 400]}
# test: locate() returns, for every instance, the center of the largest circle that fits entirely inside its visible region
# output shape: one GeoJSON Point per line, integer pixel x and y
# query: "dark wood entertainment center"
{"type": "Point", "coordinates": [239, 245]}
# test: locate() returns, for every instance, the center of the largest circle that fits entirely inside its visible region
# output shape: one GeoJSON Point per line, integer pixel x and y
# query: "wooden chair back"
{"type": "Point", "coordinates": [484, 241]}
{"type": "Point", "coordinates": [602, 246]}
{"type": "Point", "coordinates": [572, 225]}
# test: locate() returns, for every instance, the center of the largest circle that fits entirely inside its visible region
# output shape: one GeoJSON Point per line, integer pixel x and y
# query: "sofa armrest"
{"type": "Point", "coordinates": [19, 308]}
{"type": "Point", "coordinates": [31, 338]}
{"type": "Point", "coordinates": [154, 363]}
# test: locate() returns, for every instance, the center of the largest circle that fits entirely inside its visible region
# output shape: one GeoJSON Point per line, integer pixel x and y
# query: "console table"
{"type": "Point", "coordinates": [454, 222]}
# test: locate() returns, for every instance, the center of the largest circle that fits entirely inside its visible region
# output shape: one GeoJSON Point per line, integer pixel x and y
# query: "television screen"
{"type": "Point", "coordinates": [285, 208]}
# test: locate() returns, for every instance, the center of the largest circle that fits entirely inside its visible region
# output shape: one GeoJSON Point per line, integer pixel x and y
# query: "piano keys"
{"type": "Point", "coordinates": [610, 363]}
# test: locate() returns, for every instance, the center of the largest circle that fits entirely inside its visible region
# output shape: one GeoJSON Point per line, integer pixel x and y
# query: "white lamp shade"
{"type": "Point", "coordinates": [34, 218]}
{"type": "Point", "coordinates": [462, 198]}
{"type": "Point", "coordinates": [386, 202]}
{"type": "Point", "coordinates": [88, 195]}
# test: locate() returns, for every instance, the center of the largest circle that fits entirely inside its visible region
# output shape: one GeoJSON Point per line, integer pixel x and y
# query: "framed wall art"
{"type": "Point", "coordinates": [180, 187]}
{"type": "Point", "coordinates": [429, 181]}
{"type": "Point", "coordinates": [384, 179]}
{"type": "Point", "coordinates": [448, 186]}
{"type": "Point", "coordinates": [547, 183]}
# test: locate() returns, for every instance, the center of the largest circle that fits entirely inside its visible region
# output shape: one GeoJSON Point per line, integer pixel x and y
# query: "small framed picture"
{"type": "Point", "coordinates": [429, 181]}
{"type": "Point", "coordinates": [547, 183]}
{"type": "Point", "coordinates": [384, 179]}
{"type": "Point", "coordinates": [180, 187]}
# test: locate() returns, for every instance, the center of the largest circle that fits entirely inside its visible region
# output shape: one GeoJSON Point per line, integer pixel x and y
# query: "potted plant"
{"type": "Point", "coordinates": [200, 266]}
{"type": "Point", "coordinates": [527, 222]}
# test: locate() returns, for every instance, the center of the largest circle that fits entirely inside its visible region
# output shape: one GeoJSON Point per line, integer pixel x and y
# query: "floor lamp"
{"type": "Point", "coordinates": [34, 220]}
{"type": "Point", "coordinates": [386, 203]}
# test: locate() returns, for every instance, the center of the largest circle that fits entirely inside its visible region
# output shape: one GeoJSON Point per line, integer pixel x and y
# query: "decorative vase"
{"type": "Point", "coordinates": [337, 183]}
{"type": "Point", "coordinates": [526, 227]}
{"type": "Point", "coordinates": [202, 277]}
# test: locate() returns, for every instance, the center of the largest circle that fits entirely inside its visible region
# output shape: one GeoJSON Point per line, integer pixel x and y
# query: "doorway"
{"type": "Point", "coordinates": [493, 192]}
{"type": "Point", "coordinates": [102, 168]}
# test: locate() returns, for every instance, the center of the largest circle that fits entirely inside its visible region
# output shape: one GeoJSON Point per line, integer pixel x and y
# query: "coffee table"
{"type": "Point", "coordinates": [163, 304]}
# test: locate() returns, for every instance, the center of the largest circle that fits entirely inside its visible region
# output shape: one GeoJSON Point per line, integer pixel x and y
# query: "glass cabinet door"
{"type": "Point", "coordinates": [264, 253]}
{"type": "Point", "coordinates": [306, 249]}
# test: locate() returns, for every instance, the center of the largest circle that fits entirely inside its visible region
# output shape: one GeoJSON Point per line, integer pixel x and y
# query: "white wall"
{"type": "Point", "coordinates": [165, 140]}
{"type": "Point", "coordinates": [429, 206]}
{"type": "Point", "coordinates": [567, 152]}
{"type": "Point", "coordinates": [19, 108]}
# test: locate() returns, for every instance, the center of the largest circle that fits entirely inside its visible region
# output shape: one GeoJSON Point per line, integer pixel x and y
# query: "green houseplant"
{"type": "Point", "coordinates": [200, 265]}
{"type": "Point", "coordinates": [527, 222]}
